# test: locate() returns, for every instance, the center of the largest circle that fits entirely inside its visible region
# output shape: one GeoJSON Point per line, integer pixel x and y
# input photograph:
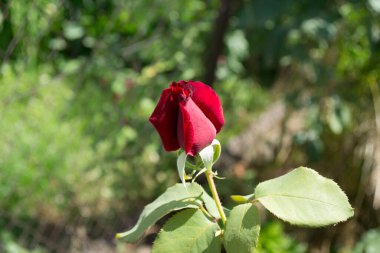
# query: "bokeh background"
{"type": "Point", "coordinates": [299, 81]}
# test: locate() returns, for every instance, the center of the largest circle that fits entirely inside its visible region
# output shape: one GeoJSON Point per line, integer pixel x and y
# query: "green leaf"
{"type": "Point", "coordinates": [303, 197]}
{"type": "Point", "coordinates": [242, 229]}
{"type": "Point", "coordinates": [174, 198]}
{"type": "Point", "coordinates": [210, 204]}
{"type": "Point", "coordinates": [189, 231]}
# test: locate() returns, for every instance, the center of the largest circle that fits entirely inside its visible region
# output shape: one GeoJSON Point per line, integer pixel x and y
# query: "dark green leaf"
{"type": "Point", "coordinates": [242, 229]}
{"type": "Point", "coordinates": [190, 231]}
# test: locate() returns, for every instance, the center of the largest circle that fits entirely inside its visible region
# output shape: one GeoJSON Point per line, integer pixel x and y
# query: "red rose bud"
{"type": "Point", "coordinates": [188, 115]}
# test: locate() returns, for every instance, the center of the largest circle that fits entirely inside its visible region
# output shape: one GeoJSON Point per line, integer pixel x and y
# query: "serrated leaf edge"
{"type": "Point", "coordinates": [351, 209]}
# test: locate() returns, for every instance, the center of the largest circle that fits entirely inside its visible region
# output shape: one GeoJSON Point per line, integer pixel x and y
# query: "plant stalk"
{"type": "Point", "coordinates": [215, 195]}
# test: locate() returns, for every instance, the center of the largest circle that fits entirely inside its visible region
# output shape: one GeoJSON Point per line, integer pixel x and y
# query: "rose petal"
{"type": "Point", "coordinates": [195, 130]}
{"type": "Point", "coordinates": [209, 102]}
{"type": "Point", "coordinates": [164, 118]}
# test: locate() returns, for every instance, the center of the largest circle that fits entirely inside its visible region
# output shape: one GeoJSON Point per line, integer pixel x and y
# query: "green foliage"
{"type": "Point", "coordinates": [117, 33]}
{"type": "Point", "coordinates": [242, 229]}
{"type": "Point", "coordinates": [189, 231]}
{"type": "Point", "coordinates": [82, 78]}
{"type": "Point", "coordinates": [174, 198]}
{"type": "Point", "coordinates": [303, 197]}
{"type": "Point", "coordinates": [10, 245]}
{"type": "Point", "coordinates": [369, 243]}
{"type": "Point", "coordinates": [37, 145]}
{"type": "Point", "coordinates": [333, 117]}
{"type": "Point", "coordinates": [274, 239]}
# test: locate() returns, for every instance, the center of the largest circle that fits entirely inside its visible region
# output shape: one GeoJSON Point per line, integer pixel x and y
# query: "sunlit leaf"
{"type": "Point", "coordinates": [174, 198]}
{"type": "Point", "coordinates": [303, 197]}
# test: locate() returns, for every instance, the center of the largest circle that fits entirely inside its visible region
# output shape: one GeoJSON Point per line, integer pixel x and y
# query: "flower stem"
{"type": "Point", "coordinates": [215, 195]}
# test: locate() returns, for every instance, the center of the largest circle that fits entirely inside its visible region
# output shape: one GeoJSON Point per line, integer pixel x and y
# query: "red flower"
{"type": "Point", "coordinates": [188, 115]}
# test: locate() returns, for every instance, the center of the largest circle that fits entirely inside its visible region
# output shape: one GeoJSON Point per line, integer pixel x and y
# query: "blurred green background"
{"type": "Point", "coordinates": [299, 81]}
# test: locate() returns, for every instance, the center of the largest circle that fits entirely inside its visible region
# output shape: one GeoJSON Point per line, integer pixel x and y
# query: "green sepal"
{"type": "Point", "coordinates": [210, 154]}
{"type": "Point", "coordinates": [181, 162]}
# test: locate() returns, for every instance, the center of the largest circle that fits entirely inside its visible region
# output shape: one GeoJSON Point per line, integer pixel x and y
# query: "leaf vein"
{"type": "Point", "coordinates": [298, 197]}
{"type": "Point", "coordinates": [192, 242]}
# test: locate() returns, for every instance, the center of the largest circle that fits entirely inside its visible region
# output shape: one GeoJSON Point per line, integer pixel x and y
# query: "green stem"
{"type": "Point", "coordinates": [205, 211]}
{"type": "Point", "coordinates": [215, 195]}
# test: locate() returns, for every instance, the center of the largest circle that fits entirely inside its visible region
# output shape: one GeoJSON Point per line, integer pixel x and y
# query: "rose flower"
{"type": "Point", "coordinates": [188, 115]}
